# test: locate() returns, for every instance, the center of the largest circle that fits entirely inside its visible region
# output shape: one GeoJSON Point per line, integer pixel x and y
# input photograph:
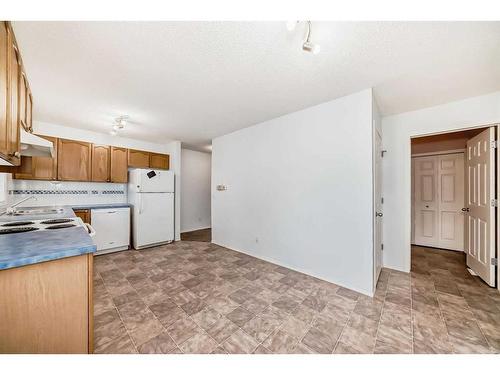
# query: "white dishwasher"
{"type": "Point", "coordinates": [112, 227]}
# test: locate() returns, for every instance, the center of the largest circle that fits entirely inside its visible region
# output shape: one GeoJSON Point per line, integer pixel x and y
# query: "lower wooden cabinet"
{"type": "Point", "coordinates": [74, 160]}
{"type": "Point", "coordinates": [101, 160]}
{"type": "Point", "coordinates": [47, 307]}
{"type": "Point", "coordinates": [159, 161]}
{"type": "Point", "coordinates": [84, 215]}
{"type": "Point", "coordinates": [119, 165]}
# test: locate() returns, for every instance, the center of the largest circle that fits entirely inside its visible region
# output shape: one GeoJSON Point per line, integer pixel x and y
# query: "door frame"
{"type": "Point", "coordinates": [497, 137]}
{"type": "Point", "coordinates": [375, 275]}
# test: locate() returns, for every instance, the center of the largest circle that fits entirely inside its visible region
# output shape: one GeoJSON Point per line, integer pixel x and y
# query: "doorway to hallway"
{"type": "Point", "coordinates": [454, 196]}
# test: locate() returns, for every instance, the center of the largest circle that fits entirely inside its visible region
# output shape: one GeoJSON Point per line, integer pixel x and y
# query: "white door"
{"type": "Point", "coordinates": [426, 201]}
{"type": "Point", "coordinates": [378, 207]}
{"type": "Point", "coordinates": [153, 219]}
{"type": "Point", "coordinates": [480, 191]}
{"type": "Point", "coordinates": [451, 196]}
{"type": "Point", "coordinates": [438, 201]}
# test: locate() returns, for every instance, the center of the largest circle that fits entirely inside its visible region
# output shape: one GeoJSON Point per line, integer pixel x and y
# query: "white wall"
{"type": "Point", "coordinates": [300, 191]}
{"type": "Point", "coordinates": [174, 150]}
{"type": "Point", "coordinates": [397, 129]}
{"type": "Point", "coordinates": [195, 187]}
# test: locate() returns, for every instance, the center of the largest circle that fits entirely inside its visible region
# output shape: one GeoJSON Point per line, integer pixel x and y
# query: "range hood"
{"type": "Point", "coordinates": [32, 145]}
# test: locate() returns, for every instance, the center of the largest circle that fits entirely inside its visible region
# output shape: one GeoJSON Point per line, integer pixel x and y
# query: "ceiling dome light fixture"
{"type": "Point", "coordinates": [307, 46]}
{"type": "Point", "coordinates": [120, 123]}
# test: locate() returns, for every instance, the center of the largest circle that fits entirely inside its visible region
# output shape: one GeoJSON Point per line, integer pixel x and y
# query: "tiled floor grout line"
{"type": "Point", "coordinates": [444, 322]}
{"type": "Point", "coordinates": [381, 313]}
{"type": "Point", "coordinates": [342, 331]}
{"type": "Point", "coordinates": [411, 318]}
{"type": "Point", "coordinates": [476, 321]}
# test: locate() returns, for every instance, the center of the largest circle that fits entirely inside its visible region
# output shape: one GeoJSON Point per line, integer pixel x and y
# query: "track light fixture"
{"type": "Point", "coordinates": [307, 46]}
{"type": "Point", "coordinates": [120, 123]}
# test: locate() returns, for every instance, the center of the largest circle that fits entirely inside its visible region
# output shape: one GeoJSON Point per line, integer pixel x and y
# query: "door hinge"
{"type": "Point", "coordinates": [493, 144]}
{"type": "Point", "coordinates": [381, 246]}
{"type": "Point", "coordinates": [494, 261]}
{"type": "Point", "coordinates": [382, 200]}
{"type": "Point", "coordinates": [494, 203]}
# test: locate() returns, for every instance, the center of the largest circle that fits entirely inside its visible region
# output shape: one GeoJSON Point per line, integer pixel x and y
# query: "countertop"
{"type": "Point", "coordinates": [20, 249]}
{"type": "Point", "coordinates": [100, 205]}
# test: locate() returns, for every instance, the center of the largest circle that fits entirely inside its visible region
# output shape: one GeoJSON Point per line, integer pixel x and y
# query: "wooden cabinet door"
{"type": "Point", "coordinates": [159, 161]}
{"type": "Point", "coordinates": [73, 160]}
{"type": "Point", "coordinates": [138, 159]}
{"type": "Point", "coordinates": [119, 165]}
{"type": "Point", "coordinates": [100, 163]}
{"type": "Point", "coordinates": [46, 168]}
{"type": "Point", "coordinates": [84, 215]}
{"type": "Point", "coordinates": [23, 87]}
{"type": "Point", "coordinates": [4, 98]}
{"type": "Point", "coordinates": [14, 121]}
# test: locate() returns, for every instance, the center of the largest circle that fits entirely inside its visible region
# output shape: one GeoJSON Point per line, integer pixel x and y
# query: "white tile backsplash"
{"type": "Point", "coordinates": [49, 193]}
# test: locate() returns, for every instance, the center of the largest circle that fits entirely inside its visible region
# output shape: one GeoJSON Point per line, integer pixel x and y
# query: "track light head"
{"type": "Point", "coordinates": [311, 47]}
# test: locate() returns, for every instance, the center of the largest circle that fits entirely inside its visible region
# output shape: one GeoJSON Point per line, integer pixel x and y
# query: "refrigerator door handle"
{"type": "Point", "coordinates": [141, 208]}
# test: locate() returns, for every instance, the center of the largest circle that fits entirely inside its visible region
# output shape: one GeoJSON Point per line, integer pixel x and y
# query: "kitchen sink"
{"type": "Point", "coordinates": [37, 211]}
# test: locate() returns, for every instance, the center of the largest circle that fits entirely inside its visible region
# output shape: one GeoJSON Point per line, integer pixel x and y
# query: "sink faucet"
{"type": "Point", "coordinates": [11, 209]}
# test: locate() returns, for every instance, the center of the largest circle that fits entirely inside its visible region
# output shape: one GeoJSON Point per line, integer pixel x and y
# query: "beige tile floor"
{"type": "Point", "coordinates": [195, 297]}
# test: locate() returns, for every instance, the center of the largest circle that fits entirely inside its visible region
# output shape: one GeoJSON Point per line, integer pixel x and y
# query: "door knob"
{"type": "Point", "coordinates": [465, 209]}
{"type": "Point", "coordinates": [426, 206]}
{"type": "Point", "coordinates": [379, 214]}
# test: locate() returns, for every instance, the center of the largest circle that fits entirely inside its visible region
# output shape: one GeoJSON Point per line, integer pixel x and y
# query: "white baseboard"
{"type": "Point", "coordinates": [192, 230]}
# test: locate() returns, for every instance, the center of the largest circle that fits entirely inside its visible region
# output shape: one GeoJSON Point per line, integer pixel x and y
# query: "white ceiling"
{"type": "Point", "coordinates": [194, 81]}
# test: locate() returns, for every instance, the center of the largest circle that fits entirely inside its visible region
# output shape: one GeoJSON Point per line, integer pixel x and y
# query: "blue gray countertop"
{"type": "Point", "coordinates": [20, 249]}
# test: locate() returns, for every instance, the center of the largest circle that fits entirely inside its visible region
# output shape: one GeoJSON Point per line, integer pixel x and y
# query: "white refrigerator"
{"type": "Point", "coordinates": [151, 194]}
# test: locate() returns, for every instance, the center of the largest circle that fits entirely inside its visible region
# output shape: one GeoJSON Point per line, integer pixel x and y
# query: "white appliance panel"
{"type": "Point", "coordinates": [153, 219]}
{"type": "Point", "coordinates": [112, 228]}
{"type": "Point", "coordinates": [153, 181]}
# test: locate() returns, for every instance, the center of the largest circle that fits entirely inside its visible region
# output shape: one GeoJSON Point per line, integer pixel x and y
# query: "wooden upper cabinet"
{"type": "Point", "coordinates": [101, 163]}
{"type": "Point", "coordinates": [159, 161]}
{"type": "Point", "coordinates": [119, 165]}
{"type": "Point", "coordinates": [13, 120]}
{"type": "Point", "coordinates": [4, 98]}
{"type": "Point", "coordinates": [138, 159]}
{"type": "Point", "coordinates": [46, 168]}
{"type": "Point", "coordinates": [13, 96]}
{"type": "Point", "coordinates": [38, 168]}
{"type": "Point", "coordinates": [74, 160]}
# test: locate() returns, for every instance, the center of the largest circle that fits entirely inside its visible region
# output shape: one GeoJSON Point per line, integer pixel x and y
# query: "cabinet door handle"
{"type": "Point", "coordinates": [90, 229]}
{"type": "Point", "coordinates": [16, 154]}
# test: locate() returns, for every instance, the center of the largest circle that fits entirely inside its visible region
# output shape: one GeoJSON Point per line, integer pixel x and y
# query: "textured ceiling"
{"type": "Point", "coordinates": [194, 81]}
